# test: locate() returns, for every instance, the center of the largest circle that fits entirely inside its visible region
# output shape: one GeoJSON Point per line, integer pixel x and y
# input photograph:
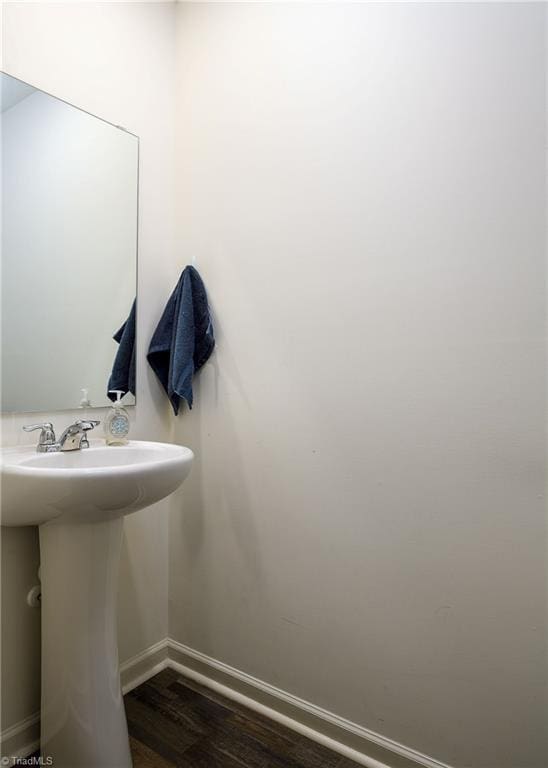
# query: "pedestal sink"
{"type": "Point", "coordinates": [78, 499]}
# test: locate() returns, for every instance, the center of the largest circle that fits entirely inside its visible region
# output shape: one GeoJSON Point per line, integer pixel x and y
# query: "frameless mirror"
{"type": "Point", "coordinates": [69, 250]}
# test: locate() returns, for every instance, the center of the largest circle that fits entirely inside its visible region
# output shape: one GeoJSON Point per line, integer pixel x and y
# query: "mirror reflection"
{"type": "Point", "coordinates": [69, 250]}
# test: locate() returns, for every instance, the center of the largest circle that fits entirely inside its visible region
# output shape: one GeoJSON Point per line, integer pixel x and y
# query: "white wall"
{"type": "Point", "coordinates": [363, 187]}
{"type": "Point", "coordinates": [115, 60]}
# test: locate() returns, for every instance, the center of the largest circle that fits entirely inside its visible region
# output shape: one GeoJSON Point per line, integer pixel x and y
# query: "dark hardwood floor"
{"type": "Point", "coordinates": [174, 722]}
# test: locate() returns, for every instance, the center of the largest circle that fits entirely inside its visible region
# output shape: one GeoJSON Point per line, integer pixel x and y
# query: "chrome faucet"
{"type": "Point", "coordinates": [74, 438]}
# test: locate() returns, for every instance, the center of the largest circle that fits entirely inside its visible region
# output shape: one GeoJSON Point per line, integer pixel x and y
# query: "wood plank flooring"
{"type": "Point", "coordinates": [175, 723]}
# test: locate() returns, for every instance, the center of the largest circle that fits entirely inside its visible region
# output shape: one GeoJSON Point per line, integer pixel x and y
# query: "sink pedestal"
{"type": "Point", "coordinates": [83, 723]}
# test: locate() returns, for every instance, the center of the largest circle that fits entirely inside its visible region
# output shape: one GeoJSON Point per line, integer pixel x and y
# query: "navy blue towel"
{"type": "Point", "coordinates": [123, 370]}
{"type": "Point", "coordinates": [183, 339]}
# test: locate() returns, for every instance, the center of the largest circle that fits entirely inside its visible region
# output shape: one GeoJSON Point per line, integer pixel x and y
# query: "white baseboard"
{"type": "Point", "coordinates": [354, 741]}
{"type": "Point", "coordinates": [22, 739]}
{"type": "Point", "coordinates": [365, 747]}
{"type": "Point", "coordinates": [143, 666]}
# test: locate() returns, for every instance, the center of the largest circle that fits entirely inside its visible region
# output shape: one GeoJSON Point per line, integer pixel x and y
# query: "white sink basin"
{"type": "Point", "coordinates": [97, 483]}
{"type": "Point", "coordinates": [79, 498]}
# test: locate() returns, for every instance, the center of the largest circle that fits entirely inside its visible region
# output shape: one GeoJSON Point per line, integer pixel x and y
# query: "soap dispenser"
{"type": "Point", "coordinates": [85, 402]}
{"type": "Point", "coordinates": [117, 421]}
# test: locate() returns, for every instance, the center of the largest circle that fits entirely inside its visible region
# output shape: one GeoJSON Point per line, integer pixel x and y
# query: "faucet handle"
{"type": "Point", "coordinates": [45, 427]}
{"type": "Point", "coordinates": [47, 435]}
{"type": "Point", "coordinates": [87, 424]}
